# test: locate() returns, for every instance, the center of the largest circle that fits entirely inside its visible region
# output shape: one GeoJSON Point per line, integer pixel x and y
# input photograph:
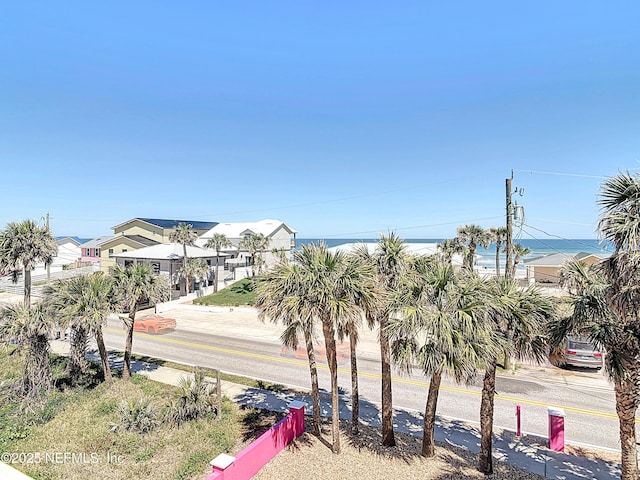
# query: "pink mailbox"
{"type": "Point", "coordinates": [556, 428]}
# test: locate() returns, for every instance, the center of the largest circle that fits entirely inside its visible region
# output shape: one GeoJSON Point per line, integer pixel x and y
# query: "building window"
{"type": "Point", "coordinates": [97, 252]}
{"type": "Point", "coordinates": [155, 266]}
{"type": "Point", "coordinates": [128, 263]}
{"type": "Point", "coordinates": [110, 251]}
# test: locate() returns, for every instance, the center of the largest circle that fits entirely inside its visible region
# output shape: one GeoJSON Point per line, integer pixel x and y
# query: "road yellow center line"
{"type": "Point", "coordinates": [376, 376]}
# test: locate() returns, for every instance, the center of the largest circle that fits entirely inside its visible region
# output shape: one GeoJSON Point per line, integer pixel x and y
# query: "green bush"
{"type": "Point", "coordinates": [195, 397]}
{"type": "Point", "coordinates": [139, 416]}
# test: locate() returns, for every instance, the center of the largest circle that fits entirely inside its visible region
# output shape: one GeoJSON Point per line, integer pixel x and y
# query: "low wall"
{"type": "Point", "coordinates": [249, 461]}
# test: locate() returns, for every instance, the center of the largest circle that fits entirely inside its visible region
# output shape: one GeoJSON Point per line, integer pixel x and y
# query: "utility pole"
{"type": "Point", "coordinates": [509, 246]}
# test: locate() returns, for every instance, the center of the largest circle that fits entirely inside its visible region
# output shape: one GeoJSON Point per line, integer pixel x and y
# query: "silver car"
{"type": "Point", "coordinates": [580, 352]}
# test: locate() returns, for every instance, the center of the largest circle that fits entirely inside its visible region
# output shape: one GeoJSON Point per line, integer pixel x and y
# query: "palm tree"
{"type": "Point", "coordinates": [22, 246]}
{"type": "Point", "coordinates": [447, 248]}
{"type": "Point", "coordinates": [255, 244]}
{"type": "Point", "coordinates": [607, 305]}
{"type": "Point", "coordinates": [498, 236]}
{"type": "Point", "coordinates": [195, 268]}
{"type": "Point", "coordinates": [327, 290]}
{"type": "Point", "coordinates": [284, 297]}
{"type": "Point", "coordinates": [519, 251]}
{"type": "Point", "coordinates": [390, 262]}
{"type": "Point", "coordinates": [366, 300]}
{"type": "Point", "coordinates": [217, 242]}
{"type": "Point", "coordinates": [597, 316]}
{"type": "Point", "coordinates": [133, 285]}
{"type": "Point", "coordinates": [30, 327]}
{"type": "Point", "coordinates": [519, 317]}
{"type": "Point", "coordinates": [185, 235]}
{"type": "Point", "coordinates": [84, 302]}
{"type": "Point", "coordinates": [442, 329]}
{"type": "Point", "coordinates": [471, 236]}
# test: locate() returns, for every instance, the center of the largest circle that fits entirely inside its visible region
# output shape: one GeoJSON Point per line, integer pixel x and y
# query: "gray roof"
{"type": "Point", "coordinates": [96, 242]}
{"type": "Point", "coordinates": [168, 251]}
{"type": "Point", "coordinates": [558, 259]}
{"type": "Point", "coordinates": [140, 239]}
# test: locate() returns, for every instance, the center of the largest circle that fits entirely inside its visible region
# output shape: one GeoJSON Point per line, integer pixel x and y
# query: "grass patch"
{"type": "Point", "coordinates": [77, 421]}
{"type": "Point", "coordinates": [240, 293]}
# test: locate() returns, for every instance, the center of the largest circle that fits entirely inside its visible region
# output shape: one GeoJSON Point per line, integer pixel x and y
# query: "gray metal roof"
{"type": "Point", "coordinates": [558, 259]}
{"type": "Point", "coordinates": [96, 242]}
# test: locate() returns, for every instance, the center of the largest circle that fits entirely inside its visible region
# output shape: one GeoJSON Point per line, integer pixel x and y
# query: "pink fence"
{"type": "Point", "coordinates": [260, 452]}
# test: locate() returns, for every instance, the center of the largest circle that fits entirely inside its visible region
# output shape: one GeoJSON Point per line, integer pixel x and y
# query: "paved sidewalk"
{"type": "Point", "coordinates": [527, 453]}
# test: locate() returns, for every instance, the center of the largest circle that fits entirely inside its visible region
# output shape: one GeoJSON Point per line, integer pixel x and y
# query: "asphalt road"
{"type": "Point", "coordinates": [590, 411]}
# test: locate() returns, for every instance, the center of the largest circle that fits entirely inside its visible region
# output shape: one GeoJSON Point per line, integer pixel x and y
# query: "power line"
{"type": "Point", "coordinates": [460, 222]}
{"type": "Point", "coordinates": [558, 237]}
{"type": "Point", "coordinates": [561, 174]}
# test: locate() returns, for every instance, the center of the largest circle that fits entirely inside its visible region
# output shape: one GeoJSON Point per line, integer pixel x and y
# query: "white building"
{"type": "Point", "coordinates": [412, 248]}
{"type": "Point", "coordinates": [281, 237]}
{"type": "Point", "coordinates": [167, 259]}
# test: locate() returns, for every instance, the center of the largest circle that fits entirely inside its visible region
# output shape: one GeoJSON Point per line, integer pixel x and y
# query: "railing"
{"type": "Point", "coordinates": [260, 452]}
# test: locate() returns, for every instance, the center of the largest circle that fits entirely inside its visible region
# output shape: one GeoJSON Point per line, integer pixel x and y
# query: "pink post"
{"type": "Point", "coordinates": [296, 408]}
{"type": "Point", "coordinates": [518, 429]}
{"type": "Point", "coordinates": [222, 467]}
{"type": "Point", "coordinates": [556, 428]}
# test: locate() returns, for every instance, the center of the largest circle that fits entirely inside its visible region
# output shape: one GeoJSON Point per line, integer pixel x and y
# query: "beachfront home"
{"type": "Point", "coordinates": [167, 259]}
{"type": "Point", "coordinates": [142, 232]}
{"type": "Point", "coordinates": [280, 237]}
{"type": "Point", "coordinates": [158, 229]}
{"type": "Point", "coordinates": [91, 249]}
{"type": "Point", "coordinates": [546, 269]}
{"type": "Point", "coordinates": [68, 255]}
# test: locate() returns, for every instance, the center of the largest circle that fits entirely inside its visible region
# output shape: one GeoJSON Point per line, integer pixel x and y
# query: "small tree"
{"type": "Point", "coordinates": [132, 285]}
{"type": "Point", "coordinates": [84, 303]}
{"type": "Point", "coordinates": [217, 242]}
{"type": "Point", "coordinates": [194, 268]}
{"type": "Point", "coordinates": [185, 235]}
{"type": "Point", "coordinates": [471, 236]}
{"type": "Point", "coordinates": [255, 244]}
{"type": "Point", "coordinates": [519, 251]}
{"type": "Point", "coordinates": [22, 246]}
{"type": "Point", "coordinates": [498, 236]}
{"type": "Point", "coordinates": [30, 327]}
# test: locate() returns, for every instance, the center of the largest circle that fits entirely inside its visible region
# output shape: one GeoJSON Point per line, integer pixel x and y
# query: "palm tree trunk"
{"type": "Point", "coordinates": [428, 442]}
{"type": "Point", "coordinates": [104, 358]}
{"type": "Point", "coordinates": [355, 392]}
{"type": "Point", "coordinates": [27, 286]}
{"type": "Point", "coordinates": [184, 266]}
{"type": "Point", "coordinates": [388, 437]}
{"type": "Point", "coordinates": [128, 346]}
{"type": "Point", "coordinates": [315, 389]}
{"type": "Point", "coordinates": [626, 407]}
{"type": "Point", "coordinates": [330, 346]}
{"type": "Point", "coordinates": [215, 281]}
{"type": "Point", "coordinates": [498, 244]}
{"type": "Point", "coordinates": [37, 368]}
{"type": "Point", "coordinates": [78, 363]}
{"type": "Point", "coordinates": [485, 463]}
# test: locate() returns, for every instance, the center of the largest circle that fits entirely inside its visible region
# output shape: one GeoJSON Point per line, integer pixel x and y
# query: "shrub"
{"type": "Point", "coordinates": [194, 398]}
{"type": "Point", "coordinates": [139, 416]}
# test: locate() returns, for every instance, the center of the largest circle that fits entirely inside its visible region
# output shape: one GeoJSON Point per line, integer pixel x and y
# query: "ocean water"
{"type": "Point", "coordinates": [487, 256]}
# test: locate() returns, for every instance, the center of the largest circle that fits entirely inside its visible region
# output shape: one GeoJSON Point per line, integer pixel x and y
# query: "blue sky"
{"type": "Point", "coordinates": [343, 119]}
